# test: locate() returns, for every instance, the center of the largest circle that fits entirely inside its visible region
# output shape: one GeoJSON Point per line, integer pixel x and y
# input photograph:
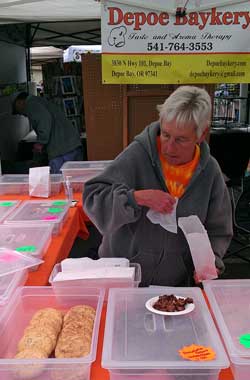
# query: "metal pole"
{"type": "Point", "coordinates": [27, 53]}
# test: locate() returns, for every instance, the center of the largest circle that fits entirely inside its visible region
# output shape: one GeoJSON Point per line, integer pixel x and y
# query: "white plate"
{"type": "Point", "coordinates": [149, 305]}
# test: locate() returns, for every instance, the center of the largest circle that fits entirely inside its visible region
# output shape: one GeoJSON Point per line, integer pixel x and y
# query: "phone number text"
{"type": "Point", "coordinates": [177, 46]}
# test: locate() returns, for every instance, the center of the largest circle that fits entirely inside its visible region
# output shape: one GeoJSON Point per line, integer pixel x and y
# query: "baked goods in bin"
{"type": "Point", "coordinates": [51, 332]}
{"type": "Point", "coordinates": [42, 332]}
{"type": "Point", "coordinates": [76, 335]}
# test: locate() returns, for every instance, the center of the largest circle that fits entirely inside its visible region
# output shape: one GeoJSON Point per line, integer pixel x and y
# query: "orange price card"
{"type": "Point", "coordinates": [197, 353]}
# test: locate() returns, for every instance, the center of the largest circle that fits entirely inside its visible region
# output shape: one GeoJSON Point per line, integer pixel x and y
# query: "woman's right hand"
{"type": "Point", "coordinates": [157, 200]}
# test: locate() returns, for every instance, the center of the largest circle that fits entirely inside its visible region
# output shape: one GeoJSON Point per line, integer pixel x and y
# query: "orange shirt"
{"type": "Point", "coordinates": [178, 177]}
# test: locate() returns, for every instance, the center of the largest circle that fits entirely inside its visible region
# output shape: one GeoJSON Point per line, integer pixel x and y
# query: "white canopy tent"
{"type": "Point", "coordinates": [45, 52]}
{"type": "Point", "coordinates": [28, 11]}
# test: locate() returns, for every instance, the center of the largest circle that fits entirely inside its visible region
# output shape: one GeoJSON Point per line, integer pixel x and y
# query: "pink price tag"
{"type": "Point", "coordinates": [50, 217]}
{"type": "Point", "coordinates": [7, 257]}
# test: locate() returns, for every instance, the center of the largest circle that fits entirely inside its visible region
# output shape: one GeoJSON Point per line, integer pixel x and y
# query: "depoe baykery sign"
{"type": "Point", "coordinates": [146, 46]}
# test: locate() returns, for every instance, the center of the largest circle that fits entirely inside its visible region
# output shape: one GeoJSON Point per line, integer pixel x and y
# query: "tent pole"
{"type": "Point", "coordinates": [27, 53]}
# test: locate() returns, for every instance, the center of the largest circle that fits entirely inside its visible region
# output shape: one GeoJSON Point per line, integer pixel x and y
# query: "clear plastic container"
{"type": "Point", "coordinates": [6, 207]}
{"type": "Point", "coordinates": [9, 283]}
{"type": "Point", "coordinates": [230, 305]}
{"type": "Point", "coordinates": [82, 171]}
{"type": "Point", "coordinates": [41, 212]}
{"type": "Point", "coordinates": [19, 184]}
{"type": "Point", "coordinates": [13, 261]}
{"type": "Point", "coordinates": [139, 344]}
{"type": "Point", "coordinates": [100, 283]}
{"type": "Point", "coordinates": [32, 240]}
{"type": "Point", "coordinates": [16, 316]}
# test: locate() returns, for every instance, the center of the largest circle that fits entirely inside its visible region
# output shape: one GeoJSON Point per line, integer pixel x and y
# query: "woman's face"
{"type": "Point", "coordinates": [178, 143]}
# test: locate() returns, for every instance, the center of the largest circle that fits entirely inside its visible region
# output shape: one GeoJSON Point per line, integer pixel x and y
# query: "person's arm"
{"type": "Point", "coordinates": [114, 198]}
{"type": "Point", "coordinates": [109, 202]}
{"type": "Point", "coordinates": [41, 121]}
{"type": "Point", "coordinates": [219, 220]}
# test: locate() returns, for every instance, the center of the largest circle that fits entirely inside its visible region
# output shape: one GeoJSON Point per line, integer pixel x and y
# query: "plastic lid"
{"type": "Point", "coordinates": [39, 212]}
{"type": "Point", "coordinates": [24, 178]}
{"type": "Point", "coordinates": [229, 300]}
{"type": "Point", "coordinates": [135, 338]}
{"type": "Point", "coordinates": [85, 164]}
{"type": "Point", "coordinates": [13, 261]}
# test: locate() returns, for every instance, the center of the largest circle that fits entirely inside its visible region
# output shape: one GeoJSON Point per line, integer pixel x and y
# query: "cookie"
{"type": "Point", "coordinates": [37, 341]}
{"type": "Point", "coordinates": [42, 329]}
{"type": "Point", "coordinates": [29, 371]}
{"type": "Point", "coordinates": [48, 317]}
{"type": "Point", "coordinates": [72, 347]}
{"type": "Point", "coordinates": [80, 311]}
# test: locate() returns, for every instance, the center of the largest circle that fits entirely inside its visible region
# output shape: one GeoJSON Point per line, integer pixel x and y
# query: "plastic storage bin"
{"type": "Point", "coordinates": [100, 283]}
{"type": "Point", "coordinates": [9, 283]}
{"type": "Point", "coordinates": [16, 316]}
{"type": "Point", "coordinates": [230, 304]}
{"type": "Point", "coordinates": [41, 212]}
{"type": "Point", "coordinates": [81, 171]}
{"type": "Point", "coordinates": [6, 207]}
{"type": "Point", "coordinates": [139, 344]}
{"type": "Point", "coordinates": [19, 184]}
{"type": "Point", "coordinates": [33, 240]}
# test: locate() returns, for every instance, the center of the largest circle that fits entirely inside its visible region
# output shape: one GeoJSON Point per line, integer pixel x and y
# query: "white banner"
{"type": "Point", "coordinates": [214, 38]}
{"type": "Point", "coordinates": [134, 30]}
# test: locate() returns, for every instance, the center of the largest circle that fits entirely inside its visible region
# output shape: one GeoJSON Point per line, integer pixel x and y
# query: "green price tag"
{"type": "Point", "coordinates": [6, 204]}
{"type": "Point", "coordinates": [55, 210]}
{"type": "Point", "coordinates": [59, 203]}
{"type": "Point", "coordinates": [26, 248]}
{"type": "Point", "coordinates": [245, 340]}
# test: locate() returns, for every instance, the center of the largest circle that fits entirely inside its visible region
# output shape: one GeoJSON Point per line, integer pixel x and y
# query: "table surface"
{"type": "Point", "coordinates": [59, 250]}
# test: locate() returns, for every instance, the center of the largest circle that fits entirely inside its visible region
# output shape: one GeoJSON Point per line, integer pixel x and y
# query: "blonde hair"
{"type": "Point", "coordinates": [187, 104]}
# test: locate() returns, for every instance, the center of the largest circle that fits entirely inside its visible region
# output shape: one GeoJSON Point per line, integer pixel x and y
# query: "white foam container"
{"type": "Point", "coordinates": [6, 210]}
{"type": "Point", "coordinates": [36, 213]}
{"type": "Point", "coordinates": [16, 316]}
{"type": "Point", "coordinates": [29, 239]}
{"type": "Point", "coordinates": [19, 184]}
{"type": "Point", "coordinates": [230, 305]}
{"type": "Point", "coordinates": [98, 282]}
{"type": "Point", "coordinates": [139, 344]}
{"type": "Point", "coordinates": [81, 171]}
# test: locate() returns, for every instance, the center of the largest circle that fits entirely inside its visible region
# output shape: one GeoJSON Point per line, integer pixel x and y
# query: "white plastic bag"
{"type": "Point", "coordinates": [200, 247]}
{"type": "Point", "coordinates": [167, 221]}
{"type": "Point", "coordinates": [39, 182]}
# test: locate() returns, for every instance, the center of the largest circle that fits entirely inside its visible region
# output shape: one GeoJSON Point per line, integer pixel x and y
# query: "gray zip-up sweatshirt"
{"type": "Point", "coordinates": [164, 256]}
{"type": "Point", "coordinates": [53, 129]}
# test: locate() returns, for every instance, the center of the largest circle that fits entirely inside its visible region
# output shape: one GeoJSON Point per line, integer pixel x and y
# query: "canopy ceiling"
{"type": "Point", "coordinates": [50, 22]}
{"type": "Point", "coordinates": [61, 34]}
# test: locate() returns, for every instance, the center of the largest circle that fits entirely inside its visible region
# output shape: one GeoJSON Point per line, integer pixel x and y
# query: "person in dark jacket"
{"type": "Point", "coordinates": [169, 160]}
{"type": "Point", "coordinates": [55, 133]}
